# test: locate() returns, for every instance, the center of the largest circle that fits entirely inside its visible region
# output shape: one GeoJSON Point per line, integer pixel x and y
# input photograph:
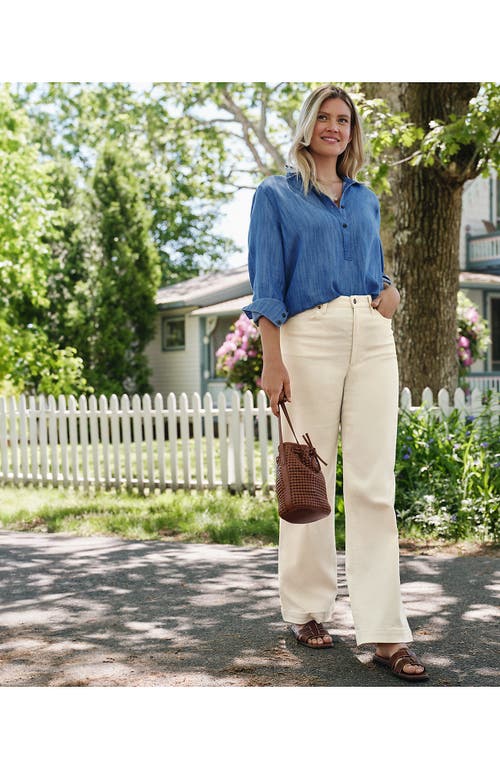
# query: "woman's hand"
{"type": "Point", "coordinates": [387, 302]}
{"type": "Point", "coordinates": [276, 383]}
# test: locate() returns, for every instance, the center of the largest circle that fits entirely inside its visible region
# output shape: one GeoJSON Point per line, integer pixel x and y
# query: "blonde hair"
{"type": "Point", "coordinates": [300, 158]}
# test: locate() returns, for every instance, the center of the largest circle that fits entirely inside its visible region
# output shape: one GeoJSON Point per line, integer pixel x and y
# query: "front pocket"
{"type": "Point", "coordinates": [377, 312]}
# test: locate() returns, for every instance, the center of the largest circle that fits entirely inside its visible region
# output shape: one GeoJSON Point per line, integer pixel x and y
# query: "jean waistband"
{"type": "Point", "coordinates": [356, 300]}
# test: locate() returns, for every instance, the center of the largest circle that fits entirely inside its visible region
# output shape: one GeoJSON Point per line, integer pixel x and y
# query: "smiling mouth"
{"type": "Point", "coordinates": [330, 139]}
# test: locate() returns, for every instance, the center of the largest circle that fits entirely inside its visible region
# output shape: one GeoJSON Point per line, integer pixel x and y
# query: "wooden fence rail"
{"type": "Point", "coordinates": [142, 443]}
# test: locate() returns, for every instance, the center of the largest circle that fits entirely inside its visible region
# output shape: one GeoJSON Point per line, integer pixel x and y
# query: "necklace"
{"type": "Point", "coordinates": [335, 198]}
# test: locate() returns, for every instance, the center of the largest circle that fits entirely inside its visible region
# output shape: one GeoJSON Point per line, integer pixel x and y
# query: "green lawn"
{"type": "Point", "coordinates": [214, 516]}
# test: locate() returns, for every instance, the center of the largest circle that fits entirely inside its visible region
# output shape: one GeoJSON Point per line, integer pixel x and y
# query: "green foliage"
{"type": "Point", "coordinates": [181, 171]}
{"type": "Point", "coordinates": [29, 216]}
{"type": "Point", "coordinates": [30, 363]}
{"type": "Point", "coordinates": [127, 278]}
{"type": "Point", "coordinates": [27, 213]}
{"type": "Point", "coordinates": [473, 136]}
{"type": "Point", "coordinates": [447, 474]}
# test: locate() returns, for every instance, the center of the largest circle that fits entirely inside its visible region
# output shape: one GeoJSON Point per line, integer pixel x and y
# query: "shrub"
{"type": "Point", "coordinates": [239, 358]}
{"type": "Point", "coordinates": [447, 474]}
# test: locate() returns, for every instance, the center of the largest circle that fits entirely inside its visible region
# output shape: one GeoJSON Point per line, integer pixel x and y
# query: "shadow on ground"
{"type": "Point", "coordinates": [101, 611]}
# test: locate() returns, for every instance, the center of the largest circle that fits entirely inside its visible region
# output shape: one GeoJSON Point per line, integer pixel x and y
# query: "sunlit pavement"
{"type": "Point", "coordinates": [99, 611]}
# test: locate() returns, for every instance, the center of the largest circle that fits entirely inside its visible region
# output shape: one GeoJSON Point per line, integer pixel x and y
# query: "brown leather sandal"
{"type": "Point", "coordinates": [311, 629]}
{"type": "Point", "coordinates": [398, 660]}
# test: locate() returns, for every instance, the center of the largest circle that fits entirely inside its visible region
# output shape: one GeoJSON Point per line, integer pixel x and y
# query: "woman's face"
{"type": "Point", "coordinates": [332, 132]}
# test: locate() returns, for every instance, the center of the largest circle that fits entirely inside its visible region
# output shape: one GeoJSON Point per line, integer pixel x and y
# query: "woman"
{"type": "Point", "coordinates": [324, 309]}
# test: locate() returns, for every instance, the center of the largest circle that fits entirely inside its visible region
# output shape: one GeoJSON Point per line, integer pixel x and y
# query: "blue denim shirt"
{"type": "Point", "coordinates": [304, 250]}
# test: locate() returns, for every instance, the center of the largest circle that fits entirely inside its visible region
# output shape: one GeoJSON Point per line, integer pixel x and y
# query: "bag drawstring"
{"type": "Point", "coordinates": [312, 450]}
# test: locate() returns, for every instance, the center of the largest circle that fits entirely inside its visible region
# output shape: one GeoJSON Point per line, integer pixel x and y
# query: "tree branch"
{"type": "Point", "coordinates": [248, 126]}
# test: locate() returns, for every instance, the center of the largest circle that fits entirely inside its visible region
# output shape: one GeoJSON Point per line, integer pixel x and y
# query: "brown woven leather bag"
{"type": "Point", "coordinates": [300, 484]}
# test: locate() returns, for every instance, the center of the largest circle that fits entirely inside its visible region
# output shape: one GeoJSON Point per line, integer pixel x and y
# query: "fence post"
{"type": "Point", "coordinates": [94, 439]}
{"type": "Point", "coordinates": [249, 438]}
{"type": "Point", "coordinates": [14, 449]}
{"type": "Point", "coordinates": [262, 423]}
{"type": "Point", "coordinates": [104, 424]}
{"type": "Point", "coordinates": [54, 459]}
{"type": "Point", "coordinates": [209, 439]}
{"type": "Point", "coordinates": [84, 440]}
{"type": "Point", "coordinates": [23, 439]}
{"type": "Point", "coordinates": [148, 440]}
{"type": "Point", "coordinates": [33, 439]}
{"type": "Point", "coordinates": [235, 440]}
{"type": "Point", "coordinates": [42, 426]}
{"type": "Point", "coordinates": [459, 402]}
{"type": "Point", "coordinates": [444, 403]}
{"type": "Point", "coordinates": [127, 459]}
{"type": "Point", "coordinates": [405, 399]}
{"type": "Point", "coordinates": [4, 445]}
{"type": "Point", "coordinates": [137, 425]}
{"type": "Point", "coordinates": [172, 437]}
{"type": "Point", "coordinates": [63, 439]}
{"type": "Point", "coordinates": [115, 441]}
{"type": "Point", "coordinates": [160, 439]}
{"type": "Point", "coordinates": [223, 440]}
{"type": "Point", "coordinates": [197, 432]}
{"type": "Point", "coordinates": [184, 423]}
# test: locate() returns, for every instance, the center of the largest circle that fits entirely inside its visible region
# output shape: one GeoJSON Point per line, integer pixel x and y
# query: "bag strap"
{"type": "Point", "coordinates": [281, 405]}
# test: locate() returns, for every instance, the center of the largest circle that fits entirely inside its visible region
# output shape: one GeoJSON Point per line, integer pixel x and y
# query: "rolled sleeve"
{"type": "Point", "coordinates": [272, 309]}
{"type": "Point", "coordinates": [266, 262]}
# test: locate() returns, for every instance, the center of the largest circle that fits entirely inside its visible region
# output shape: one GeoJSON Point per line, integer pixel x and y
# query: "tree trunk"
{"type": "Point", "coordinates": [426, 271]}
{"type": "Point", "coordinates": [425, 212]}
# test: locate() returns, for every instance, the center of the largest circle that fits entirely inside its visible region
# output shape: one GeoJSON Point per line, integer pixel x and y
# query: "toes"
{"type": "Point", "coordinates": [413, 669]}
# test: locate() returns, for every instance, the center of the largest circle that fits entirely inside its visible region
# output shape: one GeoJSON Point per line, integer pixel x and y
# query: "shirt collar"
{"type": "Point", "coordinates": [294, 179]}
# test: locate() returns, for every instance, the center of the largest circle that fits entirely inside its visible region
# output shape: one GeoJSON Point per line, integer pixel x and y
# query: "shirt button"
{"type": "Point", "coordinates": [354, 301]}
{"type": "Point", "coordinates": [283, 314]}
{"type": "Point", "coordinates": [344, 225]}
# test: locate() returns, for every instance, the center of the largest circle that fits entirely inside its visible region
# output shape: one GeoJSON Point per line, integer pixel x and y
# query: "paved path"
{"type": "Point", "coordinates": [101, 611]}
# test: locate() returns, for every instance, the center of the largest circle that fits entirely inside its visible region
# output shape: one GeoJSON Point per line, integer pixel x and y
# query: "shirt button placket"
{"type": "Point", "coordinates": [345, 236]}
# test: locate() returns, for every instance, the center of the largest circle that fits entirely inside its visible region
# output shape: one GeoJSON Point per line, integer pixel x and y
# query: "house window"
{"type": "Point", "coordinates": [173, 333]}
{"type": "Point", "coordinates": [495, 333]}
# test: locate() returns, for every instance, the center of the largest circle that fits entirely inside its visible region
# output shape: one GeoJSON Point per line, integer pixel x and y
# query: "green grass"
{"type": "Point", "coordinates": [211, 516]}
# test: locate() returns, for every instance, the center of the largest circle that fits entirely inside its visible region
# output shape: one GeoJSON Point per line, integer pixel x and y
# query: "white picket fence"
{"type": "Point", "coordinates": [144, 444]}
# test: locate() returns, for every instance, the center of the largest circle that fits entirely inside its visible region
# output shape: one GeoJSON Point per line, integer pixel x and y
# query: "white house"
{"type": "Point", "coordinates": [195, 316]}
{"type": "Point", "coordinates": [193, 320]}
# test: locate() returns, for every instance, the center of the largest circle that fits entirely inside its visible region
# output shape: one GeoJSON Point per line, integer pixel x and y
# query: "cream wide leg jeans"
{"type": "Point", "coordinates": [343, 369]}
